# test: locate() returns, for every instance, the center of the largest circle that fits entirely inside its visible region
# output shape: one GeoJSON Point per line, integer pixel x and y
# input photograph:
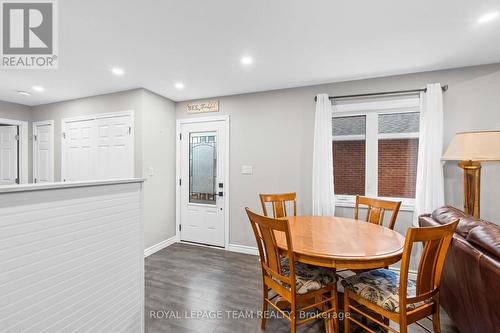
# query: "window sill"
{"type": "Point", "coordinates": [407, 205]}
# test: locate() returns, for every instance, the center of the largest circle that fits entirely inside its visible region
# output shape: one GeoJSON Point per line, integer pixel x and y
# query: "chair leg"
{"type": "Point", "coordinates": [347, 324]}
{"type": "Point", "coordinates": [403, 325]}
{"type": "Point", "coordinates": [335, 305]}
{"type": "Point", "coordinates": [436, 322]}
{"type": "Point", "coordinates": [293, 321]}
{"type": "Point", "coordinates": [264, 307]}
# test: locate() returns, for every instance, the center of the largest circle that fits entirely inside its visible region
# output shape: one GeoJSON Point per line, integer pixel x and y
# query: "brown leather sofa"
{"type": "Point", "coordinates": [470, 285]}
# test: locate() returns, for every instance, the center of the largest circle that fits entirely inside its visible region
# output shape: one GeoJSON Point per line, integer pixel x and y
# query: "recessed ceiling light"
{"type": "Point", "coordinates": [23, 93]}
{"type": "Point", "coordinates": [179, 85]}
{"type": "Point", "coordinates": [38, 88]}
{"type": "Point", "coordinates": [246, 60]}
{"type": "Point", "coordinates": [488, 17]}
{"type": "Point", "coordinates": [117, 71]}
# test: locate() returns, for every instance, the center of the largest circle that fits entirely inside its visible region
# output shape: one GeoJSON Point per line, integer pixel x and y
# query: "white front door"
{"type": "Point", "coordinates": [43, 152]}
{"type": "Point", "coordinates": [203, 183]}
{"type": "Point", "coordinates": [8, 155]}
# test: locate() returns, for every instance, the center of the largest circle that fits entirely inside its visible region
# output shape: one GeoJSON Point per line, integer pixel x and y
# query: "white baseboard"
{"type": "Point", "coordinates": [243, 249]}
{"type": "Point", "coordinates": [161, 245]}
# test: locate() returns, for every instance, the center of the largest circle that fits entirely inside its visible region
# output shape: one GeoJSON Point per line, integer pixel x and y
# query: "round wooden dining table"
{"type": "Point", "coordinates": [340, 242]}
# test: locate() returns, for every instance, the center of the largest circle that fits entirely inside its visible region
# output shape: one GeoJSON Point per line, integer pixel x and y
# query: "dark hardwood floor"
{"type": "Point", "coordinates": [192, 289]}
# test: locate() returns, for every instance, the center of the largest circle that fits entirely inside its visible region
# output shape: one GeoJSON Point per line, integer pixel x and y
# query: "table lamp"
{"type": "Point", "coordinates": [471, 148]}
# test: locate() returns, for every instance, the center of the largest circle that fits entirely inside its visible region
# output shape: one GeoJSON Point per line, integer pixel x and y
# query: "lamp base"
{"type": "Point", "coordinates": [472, 186]}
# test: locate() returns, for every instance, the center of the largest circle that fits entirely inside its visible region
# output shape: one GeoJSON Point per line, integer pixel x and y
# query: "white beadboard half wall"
{"type": "Point", "coordinates": [71, 257]}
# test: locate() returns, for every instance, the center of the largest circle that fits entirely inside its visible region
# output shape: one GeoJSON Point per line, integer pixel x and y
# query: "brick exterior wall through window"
{"type": "Point", "coordinates": [349, 167]}
{"type": "Point", "coordinates": [397, 167]}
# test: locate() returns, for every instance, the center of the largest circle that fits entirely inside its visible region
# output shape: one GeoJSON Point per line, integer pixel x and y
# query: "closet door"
{"type": "Point", "coordinates": [98, 148]}
{"type": "Point", "coordinates": [78, 158]}
{"type": "Point", "coordinates": [43, 152]}
{"type": "Point", "coordinates": [8, 155]}
{"type": "Point", "coordinates": [114, 152]}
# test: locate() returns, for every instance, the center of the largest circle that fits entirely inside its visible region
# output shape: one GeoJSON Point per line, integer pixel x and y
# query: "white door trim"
{"type": "Point", "coordinates": [23, 148]}
{"type": "Point", "coordinates": [64, 121]}
{"type": "Point", "coordinates": [42, 123]}
{"type": "Point", "coordinates": [227, 187]}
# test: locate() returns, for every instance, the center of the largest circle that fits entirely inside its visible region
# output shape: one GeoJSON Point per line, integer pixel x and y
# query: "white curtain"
{"type": "Point", "coordinates": [323, 200]}
{"type": "Point", "coordinates": [430, 179]}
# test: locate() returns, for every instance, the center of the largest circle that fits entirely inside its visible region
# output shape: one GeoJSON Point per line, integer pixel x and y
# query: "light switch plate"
{"type": "Point", "coordinates": [247, 170]}
{"type": "Point", "coordinates": [151, 171]}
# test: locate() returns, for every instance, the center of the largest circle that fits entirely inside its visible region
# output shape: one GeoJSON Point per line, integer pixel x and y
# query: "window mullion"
{"type": "Point", "coordinates": [371, 161]}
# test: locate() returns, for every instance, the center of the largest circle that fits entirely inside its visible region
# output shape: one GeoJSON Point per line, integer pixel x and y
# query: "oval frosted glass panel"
{"type": "Point", "coordinates": [399, 123]}
{"type": "Point", "coordinates": [355, 125]}
{"type": "Point", "coordinates": [202, 167]}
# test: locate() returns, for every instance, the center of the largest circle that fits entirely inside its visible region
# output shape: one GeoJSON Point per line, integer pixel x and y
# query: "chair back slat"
{"type": "Point", "coordinates": [436, 241]}
{"type": "Point", "coordinates": [376, 215]}
{"type": "Point", "coordinates": [271, 254]}
{"type": "Point", "coordinates": [279, 209]}
{"type": "Point", "coordinates": [278, 202]}
{"type": "Point", "coordinates": [264, 229]}
{"type": "Point", "coordinates": [376, 209]}
{"type": "Point", "coordinates": [427, 266]}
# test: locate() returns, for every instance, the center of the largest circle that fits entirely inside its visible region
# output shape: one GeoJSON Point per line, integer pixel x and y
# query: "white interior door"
{"type": "Point", "coordinates": [78, 155]}
{"type": "Point", "coordinates": [8, 155]}
{"type": "Point", "coordinates": [114, 148]}
{"type": "Point", "coordinates": [202, 190]}
{"type": "Point", "coordinates": [43, 152]}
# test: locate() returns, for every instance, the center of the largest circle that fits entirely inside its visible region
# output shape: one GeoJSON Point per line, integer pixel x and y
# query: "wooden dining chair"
{"type": "Point", "coordinates": [376, 209]}
{"type": "Point", "coordinates": [299, 284]}
{"type": "Point", "coordinates": [392, 295]}
{"type": "Point", "coordinates": [278, 202]}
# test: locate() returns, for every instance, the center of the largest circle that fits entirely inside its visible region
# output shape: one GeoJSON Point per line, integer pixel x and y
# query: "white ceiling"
{"type": "Point", "coordinates": [293, 43]}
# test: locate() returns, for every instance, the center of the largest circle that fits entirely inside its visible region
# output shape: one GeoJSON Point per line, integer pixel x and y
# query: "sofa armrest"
{"type": "Point", "coordinates": [486, 237]}
{"type": "Point", "coordinates": [426, 220]}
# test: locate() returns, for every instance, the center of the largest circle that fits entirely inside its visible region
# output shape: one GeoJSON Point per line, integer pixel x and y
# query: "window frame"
{"type": "Point", "coordinates": [371, 110]}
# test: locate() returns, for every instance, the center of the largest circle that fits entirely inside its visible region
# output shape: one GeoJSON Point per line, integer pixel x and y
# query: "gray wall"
{"type": "Point", "coordinates": [154, 148]}
{"type": "Point", "coordinates": [158, 153]}
{"type": "Point", "coordinates": [15, 111]}
{"type": "Point", "coordinates": [273, 131]}
{"type": "Point", "coordinates": [20, 112]}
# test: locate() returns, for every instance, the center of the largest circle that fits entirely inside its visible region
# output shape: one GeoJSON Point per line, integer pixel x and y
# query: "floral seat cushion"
{"type": "Point", "coordinates": [308, 277]}
{"type": "Point", "coordinates": [381, 287]}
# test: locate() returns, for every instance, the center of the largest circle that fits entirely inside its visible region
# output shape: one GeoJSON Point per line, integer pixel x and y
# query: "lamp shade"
{"type": "Point", "coordinates": [474, 146]}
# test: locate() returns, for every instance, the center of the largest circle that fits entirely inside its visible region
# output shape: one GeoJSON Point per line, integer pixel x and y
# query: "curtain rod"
{"type": "Point", "coordinates": [444, 88]}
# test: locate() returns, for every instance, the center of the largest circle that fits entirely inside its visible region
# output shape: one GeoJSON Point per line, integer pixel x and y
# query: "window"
{"type": "Point", "coordinates": [375, 150]}
{"type": "Point", "coordinates": [397, 154]}
{"type": "Point", "coordinates": [349, 155]}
